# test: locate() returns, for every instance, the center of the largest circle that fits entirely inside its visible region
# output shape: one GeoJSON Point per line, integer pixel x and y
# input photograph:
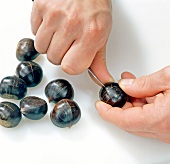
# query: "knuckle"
{"type": "Point", "coordinates": [100, 26]}
{"type": "Point", "coordinates": [40, 5]}
{"type": "Point", "coordinates": [96, 32]}
{"type": "Point", "coordinates": [72, 20]}
{"type": "Point", "coordinates": [54, 14]}
{"type": "Point", "coordinates": [164, 78]}
{"type": "Point", "coordinates": [72, 24]}
{"type": "Point", "coordinates": [96, 29]}
{"type": "Point", "coordinates": [144, 82]}
{"type": "Point", "coordinates": [166, 72]}
{"type": "Point", "coordinates": [51, 58]}
{"type": "Point", "coordinates": [51, 17]}
{"type": "Point", "coordinates": [164, 128]}
{"type": "Point", "coordinates": [41, 49]}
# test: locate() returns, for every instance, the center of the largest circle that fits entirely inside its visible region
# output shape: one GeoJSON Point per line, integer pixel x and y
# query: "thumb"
{"type": "Point", "coordinates": [147, 86]}
{"type": "Point", "coordinates": [99, 67]}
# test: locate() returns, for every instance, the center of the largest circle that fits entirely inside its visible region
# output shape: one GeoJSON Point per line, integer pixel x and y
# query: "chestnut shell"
{"type": "Point", "coordinates": [113, 95]}
{"type": "Point", "coordinates": [30, 72]}
{"type": "Point", "coordinates": [12, 87]}
{"type": "Point", "coordinates": [59, 89]}
{"type": "Point", "coordinates": [65, 113]}
{"type": "Point", "coordinates": [10, 114]}
{"type": "Point", "coordinates": [25, 50]}
{"type": "Point", "coordinates": [33, 107]}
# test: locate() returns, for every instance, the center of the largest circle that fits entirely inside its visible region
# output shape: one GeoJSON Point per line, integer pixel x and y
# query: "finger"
{"type": "Point", "coordinates": [59, 46]}
{"type": "Point", "coordinates": [150, 100]}
{"type": "Point", "coordinates": [127, 105]}
{"type": "Point", "coordinates": [135, 101]}
{"type": "Point", "coordinates": [36, 18]}
{"type": "Point", "coordinates": [147, 86]}
{"type": "Point", "coordinates": [123, 122]}
{"type": "Point", "coordinates": [127, 75]}
{"type": "Point", "coordinates": [138, 102]}
{"type": "Point", "coordinates": [99, 67]}
{"type": "Point", "coordinates": [43, 37]}
{"type": "Point", "coordinates": [78, 58]}
{"type": "Point", "coordinates": [131, 119]}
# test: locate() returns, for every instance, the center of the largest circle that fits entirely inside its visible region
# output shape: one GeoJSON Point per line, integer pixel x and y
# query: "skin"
{"type": "Point", "coordinates": [147, 113]}
{"type": "Point", "coordinates": [71, 32]}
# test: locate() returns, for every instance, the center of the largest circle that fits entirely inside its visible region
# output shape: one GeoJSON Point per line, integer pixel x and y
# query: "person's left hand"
{"type": "Point", "coordinates": [147, 113]}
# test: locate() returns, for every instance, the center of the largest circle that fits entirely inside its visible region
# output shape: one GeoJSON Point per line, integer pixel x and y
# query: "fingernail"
{"type": "Point", "coordinates": [127, 82]}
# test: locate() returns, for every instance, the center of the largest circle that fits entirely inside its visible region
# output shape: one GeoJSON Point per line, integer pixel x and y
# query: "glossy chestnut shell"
{"type": "Point", "coordinates": [59, 89]}
{"type": "Point", "coordinates": [113, 95]}
{"type": "Point", "coordinates": [65, 113]}
{"type": "Point", "coordinates": [25, 50]}
{"type": "Point", "coordinates": [30, 72]}
{"type": "Point", "coordinates": [10, 114]}
{"type": "Point", "coordinates": [33, 107]}
{"type": "Point", "coordinates": [12, 87]}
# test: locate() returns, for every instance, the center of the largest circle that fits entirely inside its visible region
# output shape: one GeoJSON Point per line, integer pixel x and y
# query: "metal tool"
{"type": "Point", "coordinates": [91, 72]}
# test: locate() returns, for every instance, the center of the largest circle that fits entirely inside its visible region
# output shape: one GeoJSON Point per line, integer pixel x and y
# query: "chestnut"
{"type": "Point", "coordinates": [65, 113]}
{"type": "Point", "coordinates": [33, 107]}
{"type": "Point", "coordinates": [25, 50]}
{"type": "Point", "coordinates": [31, 72]}
{"type": "Point", "coordinates": [59, 89]}
{"type": "Point", "coordinates": [10, 114]}
{"type": "Point", "coordinates": [12, 87]}
{"type": "Point", "coordinates": [113, 95]}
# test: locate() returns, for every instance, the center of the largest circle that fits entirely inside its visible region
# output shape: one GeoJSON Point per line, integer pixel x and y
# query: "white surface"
{"type": "Point", "coordinates": [140, 42]}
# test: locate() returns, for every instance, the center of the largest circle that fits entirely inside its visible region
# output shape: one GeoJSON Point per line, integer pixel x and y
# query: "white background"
{"type": "Point", "coordinates": [139, 42]}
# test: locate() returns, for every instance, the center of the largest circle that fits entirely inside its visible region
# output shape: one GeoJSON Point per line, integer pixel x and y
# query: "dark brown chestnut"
{"type": "Point", "coordinates": [12, 87]}
{"type": "Point", "coordinates": [31, 72]}
{"type": "Point", "coordinates": [113, 95]}
{"type": "Point", "coordinates": [65, 113]}
{"type": "Point", "coordinates": [33, 107]}
{"type": "Point", "coordinates": [59, 89]}
{"type": "Point", "coordinates": [10, 114]}
{"type": "Point", "coordinates": [25, 50]}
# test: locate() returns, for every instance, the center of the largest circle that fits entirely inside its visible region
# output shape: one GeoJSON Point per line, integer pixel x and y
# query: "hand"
{"type": "Point", "coordinates": [147, 113]}
{"type": "Point", "coordinates": [73, 33]}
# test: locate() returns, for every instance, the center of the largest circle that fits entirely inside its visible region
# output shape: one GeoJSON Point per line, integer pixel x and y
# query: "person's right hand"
{"type": "Point", "coordinates": [147, 113]}
{"type": "Point", "coordinates": [73, 33]}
